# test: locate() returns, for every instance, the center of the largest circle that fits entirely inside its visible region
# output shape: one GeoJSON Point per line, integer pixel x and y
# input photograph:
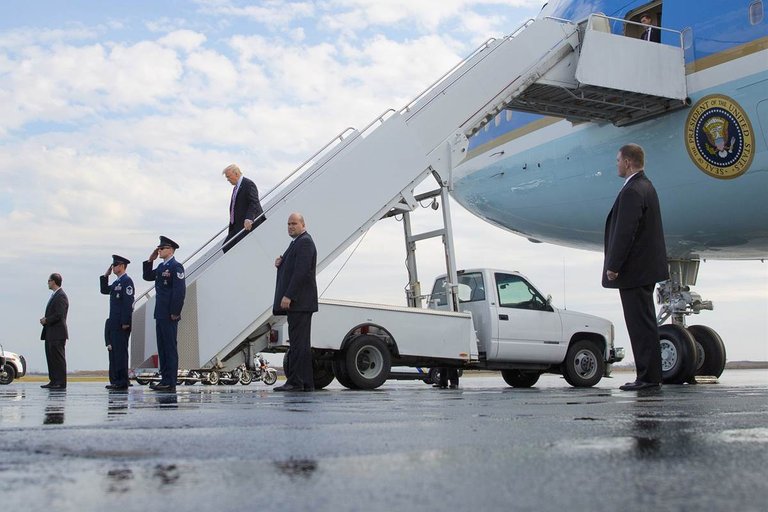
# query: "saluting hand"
{"type": "Point", "coordinates": [109, 271]}
{"type": "Point", "coordinates": [153, 256]}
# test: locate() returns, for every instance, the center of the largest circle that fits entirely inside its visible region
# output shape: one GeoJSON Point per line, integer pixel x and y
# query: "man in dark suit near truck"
{"type": "Point", "coordinates": [296, 297]}
{"type": "Point", "coordinates": [635, 260]}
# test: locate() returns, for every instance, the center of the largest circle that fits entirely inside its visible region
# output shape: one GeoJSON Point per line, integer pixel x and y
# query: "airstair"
{"type": "Point", "coordinates": [354, 181]}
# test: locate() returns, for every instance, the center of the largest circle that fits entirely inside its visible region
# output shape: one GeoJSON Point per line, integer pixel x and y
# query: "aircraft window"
{"type": "Point", "coordinates": [515, 292]}
{"type": "Point", "coordinates": [471, 289]}
{"type": "Point", "coordinates": [756, 13]}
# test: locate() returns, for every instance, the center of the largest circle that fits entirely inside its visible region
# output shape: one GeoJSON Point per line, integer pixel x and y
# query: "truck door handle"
{"type": "Point", "coordinates": [503, 317]}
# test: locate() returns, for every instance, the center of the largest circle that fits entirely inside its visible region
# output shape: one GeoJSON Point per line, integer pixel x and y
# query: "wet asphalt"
{"type": "Point", "coordinates": [403, 447]}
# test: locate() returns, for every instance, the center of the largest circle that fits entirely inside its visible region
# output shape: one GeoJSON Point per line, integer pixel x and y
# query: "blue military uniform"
{"type": "Point", "coordinates": [170, 290]}
{"type": "Point", "coordinates": [121, 296]}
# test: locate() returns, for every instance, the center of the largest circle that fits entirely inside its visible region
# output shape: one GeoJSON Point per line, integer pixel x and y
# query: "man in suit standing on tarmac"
{"type": "Point", "coordinates": [244, 207]}
{"type": "Point", "coordinates": [635, 260]}
{"type": "Point", "coordinates": [118, 327]}
{"type": "Point", "coordinates": [55, 334]}
{"type": "Point", "coordinates": [296, 297]}
{"type": "Point", "coordinates": [171, 289]}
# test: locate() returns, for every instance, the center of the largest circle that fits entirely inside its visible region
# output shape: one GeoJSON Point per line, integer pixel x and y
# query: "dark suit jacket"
{"type": "Point", "coordinates": [55, 328]}
{"type": "Point", "coordinates": [634, 237]}
{"type": "Point", "coordinates": [655, 35]}
{"type": "Point", "coordinates": [247, 206]}
{"type": "Point", "coordinates": [296, 276]}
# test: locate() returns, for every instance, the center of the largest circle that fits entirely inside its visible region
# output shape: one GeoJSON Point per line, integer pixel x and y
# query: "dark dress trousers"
{"type": "Point", "coordinates": [55, 334]}
{"type": "Point", "coordinates": [635, 249]}
{"type": "Point", "coordinates": [296, 280]}
{"type": "Point", "coordinates": [246, 206]}
{"type": "Point", "coordinates": [170, 290]}
{"type": "Point", "coordinates": [121, 295]}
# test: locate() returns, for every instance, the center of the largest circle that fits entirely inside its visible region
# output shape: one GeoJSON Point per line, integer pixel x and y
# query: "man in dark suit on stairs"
{"type": "Point", "coordinates": [55, 334]}
{"type": "Point", "coordinates": [635, 260]}
{"type": "Point", "coordinates": [245, 210]}
{"type": "Point", "coordinates": [650, 33]}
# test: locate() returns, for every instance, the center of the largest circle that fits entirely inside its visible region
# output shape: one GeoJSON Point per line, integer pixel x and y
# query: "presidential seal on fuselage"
{"type": "Point", "coordinates": [719, 137]}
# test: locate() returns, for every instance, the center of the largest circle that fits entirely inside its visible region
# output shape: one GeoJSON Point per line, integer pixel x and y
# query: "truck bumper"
{"type": "Point", "coordinates": [616, 355]}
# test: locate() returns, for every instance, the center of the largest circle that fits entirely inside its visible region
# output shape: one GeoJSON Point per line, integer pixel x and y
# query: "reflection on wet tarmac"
{"type": "Point", "coordinates": [547, 448]}
{"type": "Point", "coordinates": [296, 467]}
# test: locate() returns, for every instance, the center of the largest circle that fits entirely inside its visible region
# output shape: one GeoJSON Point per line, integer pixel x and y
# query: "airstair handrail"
{"type": "Point", "coordinates": [623, 21]}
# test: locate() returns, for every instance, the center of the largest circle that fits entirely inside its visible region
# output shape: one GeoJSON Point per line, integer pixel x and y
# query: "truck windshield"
{"type": "Point", "coordinates": [515, 292]}
{"type": "Point", "coordinates": [471, 289]}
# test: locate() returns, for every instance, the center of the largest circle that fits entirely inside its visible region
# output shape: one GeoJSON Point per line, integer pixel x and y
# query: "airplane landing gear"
{"type": "Point", "coordinates": [678, 302]}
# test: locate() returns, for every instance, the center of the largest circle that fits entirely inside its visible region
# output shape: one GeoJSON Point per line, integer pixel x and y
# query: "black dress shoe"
{"type": "Point", "coordinates": [57, 386]}
{"type": "Point", "coordinates": [288, 387]}
{"type": "Point", "coordinates": [109, 386]}
{"type": "Point", "coordinates": [118, 388]}
{"type": "Point", "coordinates": [638, 385]}
{"type": "Point", "coordinates": [164, 387]}
{"type": "Point", "coordinates": [307, 389]}
{"type": "Point", "coordinates": [46, 386]}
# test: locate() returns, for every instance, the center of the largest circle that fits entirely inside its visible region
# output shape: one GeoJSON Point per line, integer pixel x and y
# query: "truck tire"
{"type": "Point", "coordinates": [678, 354]}
{"type": "Point", "coordinates": [583, 366]}
{"type": "Point", "coordinates": [710, 350]}
{"type": "Point", "coordinates": [520, 378]}
{"type": "Point", "coordinates": [9, 374]}
{"type": "Point", "coordinates": [340, 372]}
{"type": "Point", "coordinates": [322, 373]}
{"type": "Point", "coordinates": [367, 362]}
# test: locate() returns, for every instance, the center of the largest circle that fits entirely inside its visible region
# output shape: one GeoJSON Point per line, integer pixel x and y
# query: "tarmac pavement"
{"type": "Point", "coordinates": [406, 446]}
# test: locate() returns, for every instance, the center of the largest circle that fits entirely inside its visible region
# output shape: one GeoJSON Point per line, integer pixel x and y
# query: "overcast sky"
{"type": "Point", "coordinates": [116, 119]}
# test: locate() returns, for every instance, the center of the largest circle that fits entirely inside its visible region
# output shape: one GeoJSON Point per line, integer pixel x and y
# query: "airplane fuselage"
{"type": "Point", "coordinates": [553, 180]}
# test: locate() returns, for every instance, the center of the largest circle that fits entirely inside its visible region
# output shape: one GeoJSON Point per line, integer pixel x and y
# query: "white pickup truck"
{"type": "Point", "coordinates": [504, 324]}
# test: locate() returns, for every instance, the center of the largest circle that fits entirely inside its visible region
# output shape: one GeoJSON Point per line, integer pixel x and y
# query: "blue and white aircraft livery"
{"type": "Point", "coordinates": [544, 167]}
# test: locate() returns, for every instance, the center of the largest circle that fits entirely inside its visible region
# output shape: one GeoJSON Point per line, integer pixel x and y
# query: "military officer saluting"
{"type": "Point", "coordinates": [170, 290]}
{"type": "Point", "coordinates": [118, 327]}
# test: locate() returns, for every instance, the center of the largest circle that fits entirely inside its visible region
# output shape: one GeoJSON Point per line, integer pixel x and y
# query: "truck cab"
{"type": "Point", "coordinates": [519, 329]}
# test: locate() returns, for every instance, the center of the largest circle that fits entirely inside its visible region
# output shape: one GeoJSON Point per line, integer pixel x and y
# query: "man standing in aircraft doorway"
{"type": "Point", "coordinates": [635, 260]}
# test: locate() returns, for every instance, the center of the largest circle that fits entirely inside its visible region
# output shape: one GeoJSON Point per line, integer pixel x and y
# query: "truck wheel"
{"type": "Point", "coordinates": [519, 378]}
{"type": "Point", "coordinates": [368, 362]}
{"type": "Point", "coordinates": [322, 373]}
{"type": "Point", "coordinates": [583, 366]}
{"type": "Point", "coordinates": [678, 354]}
{"type": "Point", "coordinates": [9, 373]}
{"type": "Point", "coordinates": [286, 362]}
{"type": "Point", "coordinates": [434, 376]}
{"type": "Point", "coordinates": [711, 360]}
{"type": "Point", "coordinates": [340, 372]}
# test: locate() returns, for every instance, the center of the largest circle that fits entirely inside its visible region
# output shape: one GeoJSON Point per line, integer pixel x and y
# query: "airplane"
{"type": "Point", "coordinates": [544, 167]}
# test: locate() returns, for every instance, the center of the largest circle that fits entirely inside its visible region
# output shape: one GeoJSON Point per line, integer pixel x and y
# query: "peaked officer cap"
{"type": "Point", "coordinates": [164, 240]}
{"type": "Point", "coordinates": [119, 260]}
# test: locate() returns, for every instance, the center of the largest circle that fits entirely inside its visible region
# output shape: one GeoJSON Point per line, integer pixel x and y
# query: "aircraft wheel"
{"type": "Point", "coordinates": [368, 362]}
{"type": "Point", "coordinates": [678, 354]}
{"type": "Point", "coordinates": [192, 378]}
{"type": "Point", "coordinates": [9, 373]}
{"type": "Point", "coordinates": [141, 382]}
{"type": "Point", "coordinates": [519, 378]}
{"type": "Point", "coordinates": [711, 360]}
{"type": "Point", "coordinates": [340, 372]}
{"type": "Point", "coordinates": [583, 366]}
